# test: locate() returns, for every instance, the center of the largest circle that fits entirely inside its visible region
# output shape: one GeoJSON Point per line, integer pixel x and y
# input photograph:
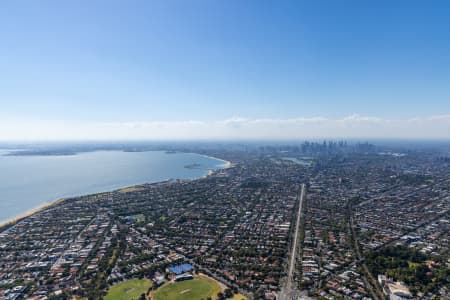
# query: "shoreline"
{"type": "Point", "coordinates": [16, 219]}
{"type": "Point", "coordinates": [226, 164]}
{"type": "Point", "coordinates": [31, 212]}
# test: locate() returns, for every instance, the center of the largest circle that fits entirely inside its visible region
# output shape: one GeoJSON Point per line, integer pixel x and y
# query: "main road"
{"type": "Point", "coordinates": [286, 292]}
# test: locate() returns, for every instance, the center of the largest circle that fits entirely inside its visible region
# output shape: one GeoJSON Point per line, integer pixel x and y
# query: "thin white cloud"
{"type": "Point", "coordinates": [234, 122]}
{"type": "Point", "coordinates": [239, 122]}
{"type": "Point", "coordinates": [355, 118]}
{"type": "Point", "coordinates": [289, 121]}
{"type": "Point", "coordinates": [357, 126]}
{"type": "Point", "coordinates": [445, 118]}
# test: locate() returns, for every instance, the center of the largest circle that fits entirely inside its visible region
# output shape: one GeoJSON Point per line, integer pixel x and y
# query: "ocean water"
{"type": "Point", "coordinates": [27, 182]}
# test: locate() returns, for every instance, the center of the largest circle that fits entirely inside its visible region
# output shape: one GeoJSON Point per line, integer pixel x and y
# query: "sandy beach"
{"type": "Point", "coordinates": [30, 212]}
{"type": "Point", "coordinates": [226, 164]}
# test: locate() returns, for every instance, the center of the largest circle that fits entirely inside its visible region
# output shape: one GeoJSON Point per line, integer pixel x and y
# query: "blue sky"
{"type": "Point", "coordinates": [76, 63]}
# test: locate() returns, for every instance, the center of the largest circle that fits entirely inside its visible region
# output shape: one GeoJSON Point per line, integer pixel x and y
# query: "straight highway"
{"type": "Point", "coordinates": [286, 292]}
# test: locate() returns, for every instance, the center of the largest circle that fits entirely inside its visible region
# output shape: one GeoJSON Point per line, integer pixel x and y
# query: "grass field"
{"type": "Point", "coordinates": [128, 290]}
{"type": "Point", "coordinates": [200, 287]}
